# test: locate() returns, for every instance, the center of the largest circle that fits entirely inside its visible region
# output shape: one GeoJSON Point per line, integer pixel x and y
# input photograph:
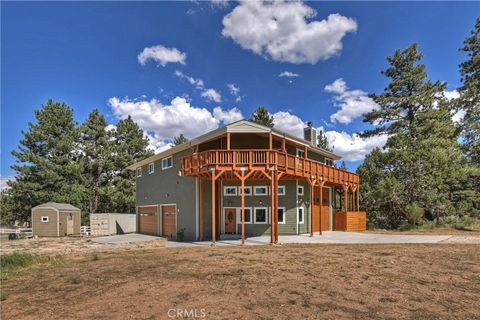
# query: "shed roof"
{"type": "Point", "coordinates": [58, 206]}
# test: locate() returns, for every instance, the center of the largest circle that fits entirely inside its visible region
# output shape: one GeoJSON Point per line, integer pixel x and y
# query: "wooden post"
{"type": "Point", "coordinates": [201, 209]}
{"type": "Point", "coordinates": [358, 198]}
{"type": "Point", "coordinates": [305, 153]}
{"type": "Point", "coordinates": [242, 212]}
{"type": "Point", "coordinates": [213, 208]}
{"type": "Point", "coordinates": [284, 148]}
{"type": "Point", "coordinates": [228, 141]}
{"type": "Point", "coordinates": [272, 209]}
{"type": "Point", "coordinates": [270, 141]}
{"type": "Point", "coordinates": [345, 189]}
{"type": "Point", "coordinates": [275, 174]}
{"type": "Point", "coordinates": [321, 205]}
{"type": "Point", "coordinates": [311, 205]}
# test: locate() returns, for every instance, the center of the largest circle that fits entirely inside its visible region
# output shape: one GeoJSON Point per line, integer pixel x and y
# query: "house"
{"type": "Point", "coordinates": [228, 180]}
{"type": "Point", "coordinates": [55, 220]}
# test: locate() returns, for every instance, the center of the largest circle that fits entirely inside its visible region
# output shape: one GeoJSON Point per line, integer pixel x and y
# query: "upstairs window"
{"type": "Point", "coordinates": [281, 190]}
{"type": "Point", "coordinates": [248, 191]}
{"type": "Point", "coordinates": [300, 153]}
{"type": "Point", "coordinates": [139, 172]}
{"type": "Point", "coordinates": [151, 168]}
{"type": "Point", "coordinates": [167, 163]}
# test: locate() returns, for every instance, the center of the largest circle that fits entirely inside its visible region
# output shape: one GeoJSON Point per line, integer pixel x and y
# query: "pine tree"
{"type": "Point", "coordinates": [48, 167]}
{"type": "Point", "coordinates": [179, 140]}
{"type": "Point", "coordinates": [422, 163]}
{"type": "Point", "coordinates": [469, 100]}
{"type": "Point", "coordinates": [130, 146]}
{"type": "Point", "coordinates": [262, 117]}
{"type": "Point", "coordinates": [343, 166]}
{"type": "Point", "coordinates": [96, 159]}
{"type": "Point", "coordinates": [323, 141]}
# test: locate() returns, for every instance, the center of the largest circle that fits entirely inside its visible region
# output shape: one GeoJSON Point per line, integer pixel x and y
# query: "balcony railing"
{"type": "Point", "coordinates": [199, 163]}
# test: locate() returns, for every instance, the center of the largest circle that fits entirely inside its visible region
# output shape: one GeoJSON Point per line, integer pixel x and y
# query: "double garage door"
{"type": "Point", "coordinates": [148, 220]}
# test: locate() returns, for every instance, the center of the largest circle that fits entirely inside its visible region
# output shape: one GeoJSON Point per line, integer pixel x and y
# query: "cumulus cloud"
{"type": "Point", "coordinates": [458, 115]}
{"type": "Point", "coordinates": [227, 116]}
{"type": "Point", "coordinates": [234, 91]}
{"type": "Point", "coordinates": [352, 103]}
{"type": "Point", "coordinates": [161, 122]}
{"type": "Point", "coordinates": [209, 94]}
{"type": "Point", "coordinates": [288, 74]}
{"type": "Point", "coordinates": [162, 55]}
{"type": "Point", "coordinates": [350, 146]}
{"type": "Point", "coordinates": [283, 31]}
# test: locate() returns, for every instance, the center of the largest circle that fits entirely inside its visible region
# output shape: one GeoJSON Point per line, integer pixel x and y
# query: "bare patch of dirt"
{"type": "Point", "coordinates": [255, 282]}
{"type": "Point", "coordinates": [434, 231]}
{"type": "Point", "coordinates": [70, 245]}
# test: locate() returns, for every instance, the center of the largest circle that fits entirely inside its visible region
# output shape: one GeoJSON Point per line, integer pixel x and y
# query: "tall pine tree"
{"type": "Point", "coordinates": [262, 117]}
{"type": "Point", "coordinates": [97, 160]}
{"type": "Point", "coordinates": [130, 146]}
{"type": "Point", "coordinates": [47, 166]}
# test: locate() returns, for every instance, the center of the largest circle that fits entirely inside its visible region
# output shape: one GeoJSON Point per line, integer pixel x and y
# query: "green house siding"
{"type": "Point", "coordinates": [168, 187]}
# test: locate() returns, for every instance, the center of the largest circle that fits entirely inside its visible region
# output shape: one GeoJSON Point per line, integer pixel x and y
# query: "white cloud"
{"type": "Point", "coordinates": [288, 74]}
{"type": "Point", "coordinates": [197, 83]}
{"type": "Point", "coordinates": [212, 95]}
{"type": "Point", "coordinates": [227, 116]}
{"type": "Point", "coordinates": [208, 94]}
{"type": "Point", "coordinates": [352, 103]}
{"type": "Point", "coordinates": [162, 122]}
{"type": "Point", "coordinates": [162, 55]}
{"type": "Point", "coordinates": [3, 182]}
{"type": "Point", "coordinates": [283, 31]}
{"type": "Point", "coordinates": [450, 95]}
{"type": "Point", "coordinates": [350, 146]}
{"type": "Point", "coordinates": [234, 91]}
{"type": "Point", "coordinates": [457, 116]}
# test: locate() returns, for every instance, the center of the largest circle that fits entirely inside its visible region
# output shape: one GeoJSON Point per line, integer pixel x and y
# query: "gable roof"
{"type": "Point", "coordinates": [58, 206]}
{"type": "Point", "coordinates": [240, 126]}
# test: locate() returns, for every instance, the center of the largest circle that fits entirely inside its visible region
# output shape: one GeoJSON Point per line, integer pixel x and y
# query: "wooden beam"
{"type": "Point", "coordinates": [276, 206]}
{"type": "Point", "coordinates": [272, 210]}
{"type": "Point", "coordinates": [270, 141]}
{"type": "Point", "coordinates": [228, 140]}
{"type": "Point", "coordinates": [305, 154]}
{"type": "Point", "coordinates": [358, 198]}
{"type": "Point", "coordinates": [243, 207]}
{"type": "Point", "coordinates": [213, 208]}
{"type": "Point", "coordinates": [202, 219]}
{"type": "Point", "coordinates": [284, 148]}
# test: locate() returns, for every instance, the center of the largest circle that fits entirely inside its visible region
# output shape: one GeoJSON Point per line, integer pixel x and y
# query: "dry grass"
{"type": "Point", "coordinates": [261, 282]}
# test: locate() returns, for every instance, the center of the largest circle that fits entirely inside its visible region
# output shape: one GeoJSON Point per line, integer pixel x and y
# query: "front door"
{"type": "Point", "coordinates": [230, 220]}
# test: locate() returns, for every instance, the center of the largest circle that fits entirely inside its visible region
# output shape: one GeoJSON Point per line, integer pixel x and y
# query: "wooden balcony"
{"type": "Point", "coordinates": [200, 164]}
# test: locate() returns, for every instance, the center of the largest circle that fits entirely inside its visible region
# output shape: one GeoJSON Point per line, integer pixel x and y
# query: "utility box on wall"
{"type": "Point", "coordinates": [103, 224]}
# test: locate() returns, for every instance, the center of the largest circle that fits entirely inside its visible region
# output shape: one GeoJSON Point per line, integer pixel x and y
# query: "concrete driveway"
{"type": "Point", "coordinates": [332, 237]}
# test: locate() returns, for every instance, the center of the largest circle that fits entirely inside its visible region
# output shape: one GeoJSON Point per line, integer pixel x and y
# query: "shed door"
{"type": "Point", "coordinates": [169, 221]}
{"type": "Point", "coordinates": [69, 223]}
{"type": "Point", "coordinates": [147, 220]}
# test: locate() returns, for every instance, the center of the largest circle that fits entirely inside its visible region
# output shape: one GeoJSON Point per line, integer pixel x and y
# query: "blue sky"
{"type": "Point", "coordinates": [87, 55]}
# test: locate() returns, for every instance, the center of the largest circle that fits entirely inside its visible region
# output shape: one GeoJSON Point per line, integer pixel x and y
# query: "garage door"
{"type": "Point", "coordinates": [169, 221]}
{"type": "Point", "coordinates": [147, 220]}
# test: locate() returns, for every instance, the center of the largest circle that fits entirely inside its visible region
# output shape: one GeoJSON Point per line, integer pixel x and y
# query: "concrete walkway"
{"type": "Point", "coordinates": [332, 237]}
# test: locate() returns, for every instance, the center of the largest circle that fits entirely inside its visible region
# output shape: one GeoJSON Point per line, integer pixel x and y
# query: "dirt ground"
{"type": "Point", "coordinates": [437, 281]}
{"type": "Point", "coordinates": [434, 231]}
{"type": "Point", "coordinates": [70, 245]}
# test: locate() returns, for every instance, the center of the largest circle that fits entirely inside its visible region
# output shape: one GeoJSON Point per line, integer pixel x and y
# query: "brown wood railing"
{"type": "Point", "coordinates": [198, 163]}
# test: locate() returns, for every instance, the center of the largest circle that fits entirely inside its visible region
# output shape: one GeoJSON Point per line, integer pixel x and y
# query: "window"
{"type": "Point", "coordinates": [229, 191]}
{"type": "Point", "coordinates": [139, 172]}
{"type": "Point", "coordinates": [248, 191]}
{"type": "Point", "coordinates": [248, 215]}
{"type": "Point", "coordinates": [281, 215]}
{"type": "Point", "coordinates": [329, 162]}
{"type": "Point", "coordinates": [300, 191]}
{"type": "Point", "coordinates": [281, 190]}
{"type": "Point", "coordinates": [261, 215]}
{"type": "Point", "coordinates": [44, 219]}
{"type": "Point", "coordinates": [167, 163]}
{"type": "Point", "coordinates": [260, 191]}
{"type": "Point", "coordinates": [300, 215]}
{"type": "Point", "coordinates": [300, 153]}
{"type": "Point", "coordinates": [151, 168]}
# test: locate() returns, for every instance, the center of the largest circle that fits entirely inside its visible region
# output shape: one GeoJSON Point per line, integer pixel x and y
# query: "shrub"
{"type": "Point", "coordinates": [414, 214]}
{"type": "Point", "coordinates": [22, 235]}
{"type": "Point", "coordinates": [16, 260]}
